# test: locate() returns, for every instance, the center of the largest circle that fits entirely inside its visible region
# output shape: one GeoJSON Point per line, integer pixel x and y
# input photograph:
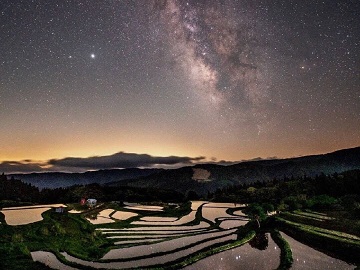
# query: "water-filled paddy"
{"type": "Point", "coordinates": [34, 206]}
{"type": "Point", "coordinates": [23, 216]}
{"type": "Point", "coordinates": [232, 223]}
{"type": "Point", "coordinates": [100, 220]}
{"type": "Point", "coordinates": [158, 240]}
{"type": "Point", "coordinates": [50, 260]}
{"type": "Point", "coordinates": [183, 220]}
{"type": "Point", "coordinates": [238, 213]}
{"type": "Point", "coordinates": [212, 213]}
{"type": "Point", "coordinates": [106, 213]}
{"type": "Point", "coordinates": [156, 260]}
{"type": "Point", "coordinates": [163, 246]}
{"type": "Point", "coordinates": [26, 214]}
{"type": "Point", "coordinates": [223, 205]}
{"type": "Point", "coordinates": [243, 257]}
{"type": "Point", "coordinates": [73, 211]}
{"type": "Point", "coordinates": [122, 215]}
{"type": "Point", "coordinates": [196, 204]}
{"type": "Point", "coordinates": [145, 208]}
{"type": "Point", "coordinates": [306, 257]}
{"type": "Point", "coordinates": [147, 233]}
{"type": "Point", "coordinates": [202, 225]}
{"type": "Point", "coordinates": [106, 216]}
{"type": "Point", "coordinates": [159, 219]}
{"type": "Point", "coordinates": [129, 242]}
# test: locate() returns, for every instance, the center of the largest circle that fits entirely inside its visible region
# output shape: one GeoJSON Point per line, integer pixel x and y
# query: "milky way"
{"type": "Point", "coordinates": [218, 47]}
{"type": "Point", "coordinates": [225, 79]}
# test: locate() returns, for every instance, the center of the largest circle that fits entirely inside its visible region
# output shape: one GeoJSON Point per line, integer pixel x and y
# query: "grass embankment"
{"type": "Point", "coordinates": [196, 221]}
{"type": "Point", "coordinates": [208, 252]}
{"type": "Point", "coordinates": [60, 232]}
{"type": "Point", "coordinates": [245, 234]}
{"type": "Point", "coordinates": [57, 232]}
{"type": "Point", "coordinates": [286, 258]}
{"type": "Point", "coordinates": [231, 211]}
{"type": "Point", "coordinates": [338, 244]}
{"type": "Point", "coordinates": [336, 221]}
{"type": "Point", "coordinates": [315, 215]}
{"type": "Point", "coordinates": [199, 218]}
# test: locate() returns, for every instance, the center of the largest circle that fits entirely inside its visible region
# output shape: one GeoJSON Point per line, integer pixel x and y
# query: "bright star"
{"type": "Point", "coordinates": [92, 56]}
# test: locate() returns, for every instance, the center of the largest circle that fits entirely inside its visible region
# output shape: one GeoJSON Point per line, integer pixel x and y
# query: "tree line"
{"type": "Point", "coordinates": [288, 193]}
{"type": "Point", "coordinates": [338, 190]}
{"type": "Point", "coordinates": [15, 192]}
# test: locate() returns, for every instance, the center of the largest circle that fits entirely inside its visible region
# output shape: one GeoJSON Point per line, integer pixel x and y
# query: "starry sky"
{"type": "Point", "coordinates": [170, 82]}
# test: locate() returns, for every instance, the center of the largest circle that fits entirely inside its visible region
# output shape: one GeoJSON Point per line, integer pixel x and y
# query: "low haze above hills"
{"type": "Point", "coordinates": [204, 177]}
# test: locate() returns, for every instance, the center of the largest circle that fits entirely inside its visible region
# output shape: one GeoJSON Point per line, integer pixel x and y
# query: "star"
{"type": "Point", "coordinates": [192, 68]}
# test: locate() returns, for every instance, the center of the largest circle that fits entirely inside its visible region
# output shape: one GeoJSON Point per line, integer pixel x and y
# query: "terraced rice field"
{"type": "Point", "coordinates": [103, 217]}
{"type": "Point", "coordinates": [110, 216]}
{"type": "Point", "coordinates": [308, 258]}
{"type": "Point", "coordinates": [185, 219]}
{"type": "Point", "coordinates": [122, 215]}
{"type": "Point", "coordinates": [34, 206]}
{"type": "Point", "coordinates": [49, 259]}
{"type": "Point", "coordinates": [313, 215]}
{"type": "Point", "coordinates": [26, 214]}
{"type": "Point", "coordinates": [163, 247]}
{"type": "Point", "coordinates": [213, 213]}
{"type": "Point", "coordinates": [155, 240]}
{"type": "Point", "coordinates": [140, 207]}
{"type": "Point", "coordinates": [159, 219]}
{"type": "Point", "coordinates": [232, 223]}
{"type": "Point", "coordinates": [73, 211]}
{"type": "Point", "coordinates": [202, 225]}
{"type": "Point", "coordinates": [243, 257]}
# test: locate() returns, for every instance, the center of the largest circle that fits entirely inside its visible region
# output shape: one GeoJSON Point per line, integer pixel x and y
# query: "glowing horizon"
{"type": "Point", "coordinates": [227, 80]}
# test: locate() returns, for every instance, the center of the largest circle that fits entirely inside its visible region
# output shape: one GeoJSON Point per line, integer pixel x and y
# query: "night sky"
{"type": "Point", "coordinates": [175, 82]}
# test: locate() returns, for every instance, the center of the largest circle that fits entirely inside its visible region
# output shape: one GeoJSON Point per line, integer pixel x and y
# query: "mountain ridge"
{"type": "Point", "coordinates": [252, 171]}
{"type": "Point", "coordinates": [207, 177]}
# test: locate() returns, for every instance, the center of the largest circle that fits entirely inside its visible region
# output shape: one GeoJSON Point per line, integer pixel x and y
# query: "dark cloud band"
{"type": "Point", "coordinates": [119, 160]}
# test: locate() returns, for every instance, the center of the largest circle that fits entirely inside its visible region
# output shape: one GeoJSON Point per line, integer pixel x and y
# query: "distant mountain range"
{"type": "Point", "coordinates": [61, 179]}
{"type": "Point", "coordinates": [205, 177]}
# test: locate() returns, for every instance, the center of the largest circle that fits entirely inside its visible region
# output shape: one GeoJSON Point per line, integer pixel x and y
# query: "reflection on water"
{"type": "Point", "coordinates": [244, 257]}
{"type": "Point", "coordinates": [306, 257]}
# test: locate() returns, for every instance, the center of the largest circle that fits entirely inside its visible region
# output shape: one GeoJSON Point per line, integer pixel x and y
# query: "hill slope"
{"type": "Point", "coordinates": [204, 177]}
{"type": "Point", "coordinates": [208, 177]}
{"type": "Point", "coordinates": [60, 179]}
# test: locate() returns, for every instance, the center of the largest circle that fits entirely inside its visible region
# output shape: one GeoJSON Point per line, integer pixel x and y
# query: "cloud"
{"type": "Point", "coordinates": [20, 166]}
{"type": "Point", "coordinates": [119, 160]}
{"type": "Point", "coordinates": [228, 163]}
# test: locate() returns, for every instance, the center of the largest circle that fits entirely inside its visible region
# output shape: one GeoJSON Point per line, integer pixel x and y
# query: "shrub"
{"type": "Point", "coordinates": [17, 238]}
{"type": "Point", "coordinates": [255, 211]}
{"type": "Point", "coordinates": [322, 202]}
{"type": "Point", "coordinates": [44, 231]}
{"type": "Point", "coordinates": [268, 207]}
{"type": "Point", "coordinates": [293, 202]}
